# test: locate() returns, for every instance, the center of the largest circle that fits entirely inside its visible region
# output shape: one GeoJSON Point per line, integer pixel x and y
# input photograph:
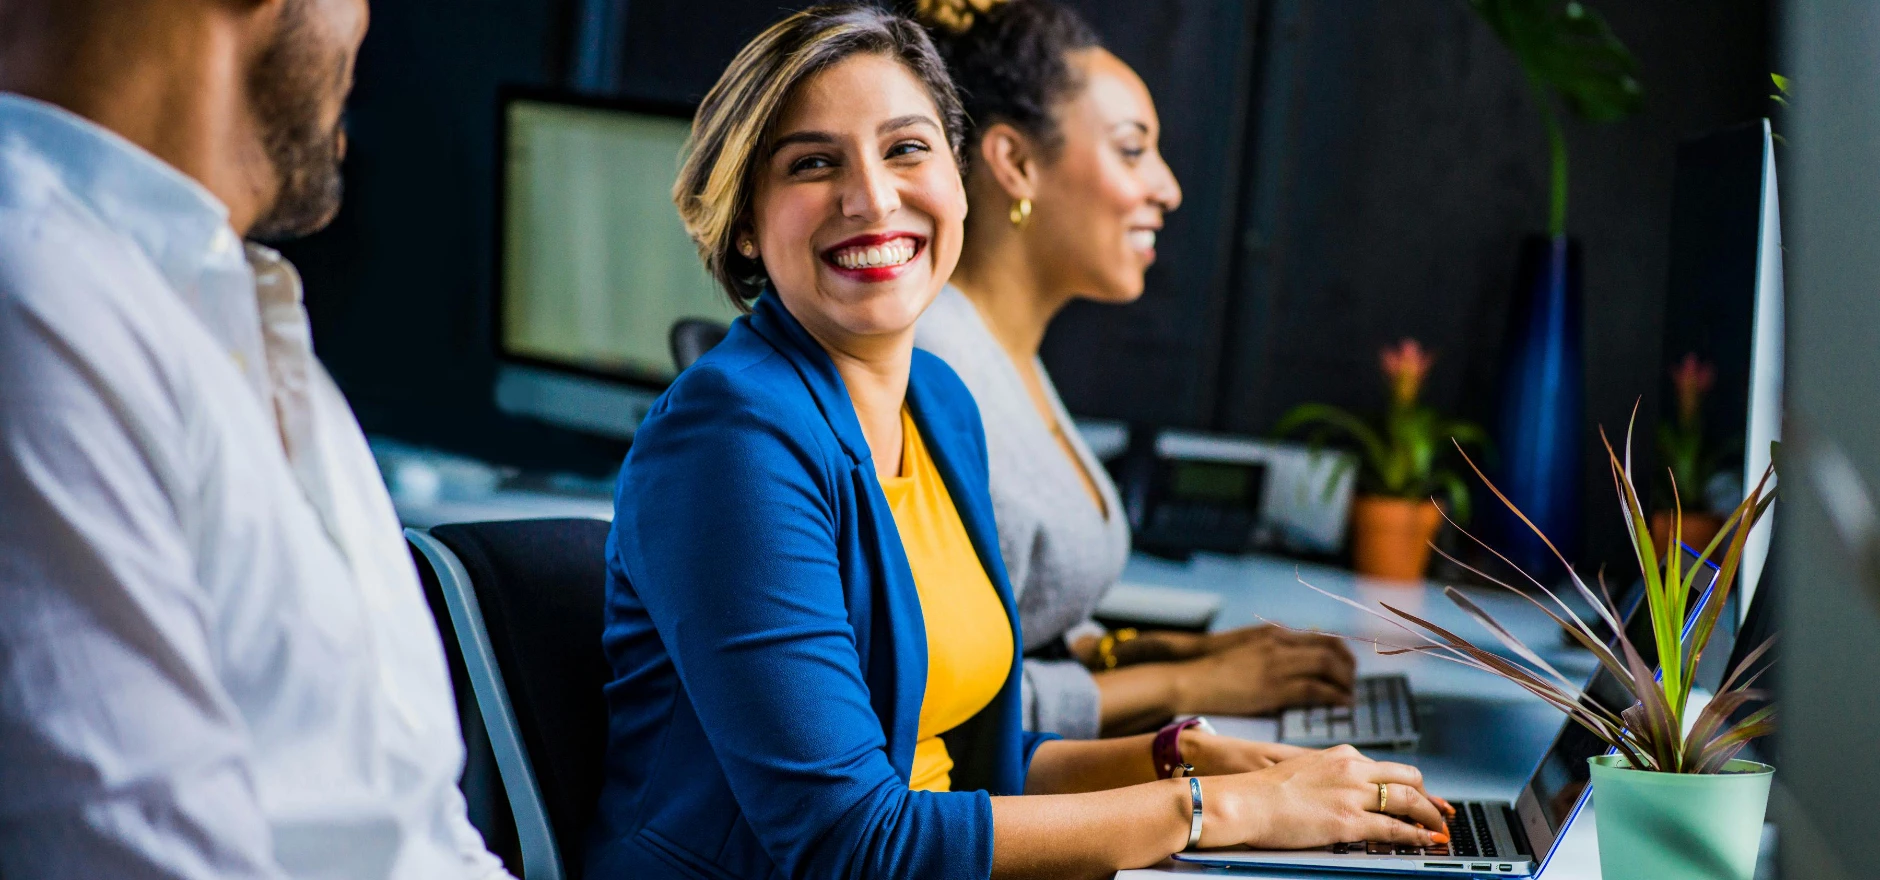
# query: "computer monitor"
{"type": "Point", "coordinates": [593, 264]}
{"type": "Point", "coordinates": [1724, 308]}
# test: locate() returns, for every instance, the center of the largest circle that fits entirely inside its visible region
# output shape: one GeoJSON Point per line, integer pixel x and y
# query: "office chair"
{"type": "Point", "coordinates": [524, 601]}
{"type": "Point", "coordinates": [691, 338]}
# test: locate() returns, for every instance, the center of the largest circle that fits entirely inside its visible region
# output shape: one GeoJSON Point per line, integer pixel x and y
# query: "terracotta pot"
{"type": "Point", "coordinates": [1390, 537]}
{"type": "Point", "coordinates": [1699, 528]}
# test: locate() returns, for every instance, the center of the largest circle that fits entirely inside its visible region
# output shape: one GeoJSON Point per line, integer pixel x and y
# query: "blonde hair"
{"type": "Point", "coordinates": [731, 132]}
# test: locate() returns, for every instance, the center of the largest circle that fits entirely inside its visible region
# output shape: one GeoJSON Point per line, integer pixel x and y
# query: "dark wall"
{"type": "Point", "coordinates": [1355, 171]}
{"type": "Point", "coordinates": [399, 286]}
{"type": "Point", "coordinates": [1158, 360]}
{"type": "Point", "coordinates": [1394, 160]}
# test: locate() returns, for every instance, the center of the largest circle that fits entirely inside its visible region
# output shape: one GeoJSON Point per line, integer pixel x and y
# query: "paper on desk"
{"type": "Point", "coordinates": [1159, 606]}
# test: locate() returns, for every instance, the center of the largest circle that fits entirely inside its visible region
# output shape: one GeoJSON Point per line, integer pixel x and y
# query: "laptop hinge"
{"type": "Point", "coordinates": [1516, 836]}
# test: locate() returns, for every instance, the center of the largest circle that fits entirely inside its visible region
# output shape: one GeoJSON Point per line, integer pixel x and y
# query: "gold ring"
{"type": "Point", "coordinates": [1383, 796]}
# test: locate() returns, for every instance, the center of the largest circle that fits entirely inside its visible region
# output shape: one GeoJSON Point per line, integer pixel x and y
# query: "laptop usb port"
{"type": "Point", "coordinates": [1481, 867]}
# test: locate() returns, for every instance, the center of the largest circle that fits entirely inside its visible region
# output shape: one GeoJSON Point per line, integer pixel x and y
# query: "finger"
{"type": "Point", "coordinates": [1390, 829]}
{"type": "Point", "coordinates": [1313, 660]}
{"type": "Point", "coordinates": [1342, 648]}
{"type": "Point", "coordinates": [1391, 771]}
{"type": "Point", "coordinates": [1313, 692]}
{"type": "Point", "coordinates": [1441, 804]}
{"type": "Point", "coordinates": [1412, 803]}
{"type": "Point", "coordinates": [1344, 667]}
{"type": "Point", "coordinates": [1342, 670]}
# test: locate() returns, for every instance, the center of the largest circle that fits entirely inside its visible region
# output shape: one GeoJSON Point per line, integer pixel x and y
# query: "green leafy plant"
{"type": "Point", "coordinates": [1650, 731]}
{"type": "Point", "coordinates": [1398, 456]}
{"type": "Point", "coordinates": [1568, 54]}
{"type": "Point", "coordinates": [1781, 97]}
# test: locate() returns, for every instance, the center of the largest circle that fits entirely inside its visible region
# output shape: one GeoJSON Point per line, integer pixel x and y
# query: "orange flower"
{"type": "Point", "coordinates": [1692, 378]}
{"type": "Point", "coordinates": [1405, 365]}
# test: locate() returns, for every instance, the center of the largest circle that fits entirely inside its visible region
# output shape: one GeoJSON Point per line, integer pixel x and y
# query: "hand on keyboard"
{"type": "Point", "coordinates": [1325, 797]}
{"type": "Point", "coordinates": [1260, 676]}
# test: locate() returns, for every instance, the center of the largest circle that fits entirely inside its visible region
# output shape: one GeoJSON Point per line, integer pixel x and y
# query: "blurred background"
{"type": "Point", "coordinates": [1356, 172]}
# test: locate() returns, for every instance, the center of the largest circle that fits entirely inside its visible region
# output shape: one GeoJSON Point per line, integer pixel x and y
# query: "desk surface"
{"type": "Point", "coordinates": [1481, 736]}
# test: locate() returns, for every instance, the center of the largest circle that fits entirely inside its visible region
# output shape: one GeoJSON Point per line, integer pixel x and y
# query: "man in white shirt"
{"type": "Point", "coordinates": [215, 657]}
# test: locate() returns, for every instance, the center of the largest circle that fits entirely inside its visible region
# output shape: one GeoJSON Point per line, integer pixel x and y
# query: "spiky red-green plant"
{"type": "Point", "coordinates": [1649, 732]}
{"type": "Point", "coordinates": [1399, 455]}
{"type": "Point", "coordinates": [1688, 459]}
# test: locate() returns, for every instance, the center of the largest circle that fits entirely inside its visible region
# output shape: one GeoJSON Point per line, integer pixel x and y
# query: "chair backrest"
{"type": "Point", "coordinates": [525, 599]}
{"type": "Point", "coordinates": [691, 338]}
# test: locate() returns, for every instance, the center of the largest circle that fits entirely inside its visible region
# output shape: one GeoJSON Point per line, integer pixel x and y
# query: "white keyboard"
{"type": "Point", "coordinates": [1382, 714]}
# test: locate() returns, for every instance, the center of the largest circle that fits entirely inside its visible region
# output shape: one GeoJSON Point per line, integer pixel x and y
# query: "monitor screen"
{"type": "Point", "coordinates": [1216, 482]}
{"type": "Point", "coordinates": [596, 267]}
{"type": "Point", "coordinates": [1722, 344]}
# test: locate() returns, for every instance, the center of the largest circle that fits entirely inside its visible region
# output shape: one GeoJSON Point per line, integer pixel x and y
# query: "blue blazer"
{"type": "Point", "coordinates": [768, 650]}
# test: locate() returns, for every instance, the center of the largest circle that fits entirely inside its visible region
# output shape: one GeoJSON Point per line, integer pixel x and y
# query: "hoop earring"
{"type": "Point", "coordinates": [1021, 213]}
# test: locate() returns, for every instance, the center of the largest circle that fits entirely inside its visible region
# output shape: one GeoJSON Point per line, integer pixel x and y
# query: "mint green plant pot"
{"type": "Point", "coordinates": [1679, 826]}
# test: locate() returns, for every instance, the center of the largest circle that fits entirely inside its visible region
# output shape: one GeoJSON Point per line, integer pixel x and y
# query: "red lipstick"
{"type": "Point", "coordinates": [868, 274]}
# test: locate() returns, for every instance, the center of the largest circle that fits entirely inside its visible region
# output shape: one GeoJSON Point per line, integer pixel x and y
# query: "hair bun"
{"type": "Point", "coordinates": [953, 16]}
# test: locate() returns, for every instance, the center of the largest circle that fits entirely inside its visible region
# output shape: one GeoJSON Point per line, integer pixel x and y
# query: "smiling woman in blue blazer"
{"type": "Point", "coordinates": [810, 628]}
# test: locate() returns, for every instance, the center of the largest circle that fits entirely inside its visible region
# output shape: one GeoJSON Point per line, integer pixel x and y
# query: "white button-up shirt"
{"type": "Point", "coordinates": [215, 657]}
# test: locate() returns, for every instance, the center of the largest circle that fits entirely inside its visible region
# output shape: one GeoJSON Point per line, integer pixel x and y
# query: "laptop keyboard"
{"type": "Point", "coordinates": [1469, 837]}
{"type": "Point", "coordinates": [1380, 711]}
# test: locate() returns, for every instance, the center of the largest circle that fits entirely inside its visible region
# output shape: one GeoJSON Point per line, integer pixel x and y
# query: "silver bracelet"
{"type": "Point", "coordinates": [1194, 822]}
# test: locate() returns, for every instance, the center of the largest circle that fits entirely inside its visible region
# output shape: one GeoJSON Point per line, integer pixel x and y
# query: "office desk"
{"type": "Point", "coordinates": [1480, 735]}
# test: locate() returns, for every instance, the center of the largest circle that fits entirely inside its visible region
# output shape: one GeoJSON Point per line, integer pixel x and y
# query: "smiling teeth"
{"type": "Point", "coordinates": [893, 253]}
{"type": "Point", "coordinates": [1142, 239]}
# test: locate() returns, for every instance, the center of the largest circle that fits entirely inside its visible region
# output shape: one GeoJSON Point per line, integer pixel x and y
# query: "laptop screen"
{"type": "Point", "coordinates": [1554, 792]}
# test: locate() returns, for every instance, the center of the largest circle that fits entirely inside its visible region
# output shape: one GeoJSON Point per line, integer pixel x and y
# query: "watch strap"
{"type": "Point", "coordinates": [1166, 749]}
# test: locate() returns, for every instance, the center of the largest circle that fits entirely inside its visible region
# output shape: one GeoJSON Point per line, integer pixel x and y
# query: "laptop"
{"type": "Point", "coordinates": [1489, 838]}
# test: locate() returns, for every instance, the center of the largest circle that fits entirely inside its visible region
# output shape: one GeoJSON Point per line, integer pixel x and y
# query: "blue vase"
{"type": "Point", "coordinates": [1540, 426]}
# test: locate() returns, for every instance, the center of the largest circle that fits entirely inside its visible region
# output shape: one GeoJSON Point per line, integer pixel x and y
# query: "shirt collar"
{"type": "Point", "coordinates": [773, 321]}
{"type": "Point", "coordinates": [173, 219]}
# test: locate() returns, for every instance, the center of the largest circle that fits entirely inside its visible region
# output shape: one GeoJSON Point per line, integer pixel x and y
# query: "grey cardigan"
{"type": "Point", "coordinates": [1061, 552]}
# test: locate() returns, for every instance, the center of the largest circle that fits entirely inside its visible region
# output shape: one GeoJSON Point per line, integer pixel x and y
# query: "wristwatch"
{"type": "Point", "coordinates": [1166, 748]}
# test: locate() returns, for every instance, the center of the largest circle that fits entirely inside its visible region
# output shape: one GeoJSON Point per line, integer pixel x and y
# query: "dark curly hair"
{"type": "Point", "coordinates": [1009, 60]}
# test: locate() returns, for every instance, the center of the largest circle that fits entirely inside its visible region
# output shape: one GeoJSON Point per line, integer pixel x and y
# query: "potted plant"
{"type": "Point", "coordinates": [1672, 799]}
{"type": "Point", "coordinates": [1393, 517]}
{"type": "Point", "coordinates": [1572, 62]}
{"type": "Point", "coordinates": [1688, 460]}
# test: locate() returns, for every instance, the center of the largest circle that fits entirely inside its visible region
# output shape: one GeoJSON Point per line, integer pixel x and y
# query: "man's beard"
{"type": "Point", "coordinates": [288, 88]}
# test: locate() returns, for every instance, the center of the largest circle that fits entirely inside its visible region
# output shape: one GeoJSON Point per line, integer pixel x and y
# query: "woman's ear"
{"type": "Point", "coordinates": [1011, 158]}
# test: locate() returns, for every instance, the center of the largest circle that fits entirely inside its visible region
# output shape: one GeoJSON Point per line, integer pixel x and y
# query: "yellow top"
{"type": "Point", "coordinates": [969, 638]}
